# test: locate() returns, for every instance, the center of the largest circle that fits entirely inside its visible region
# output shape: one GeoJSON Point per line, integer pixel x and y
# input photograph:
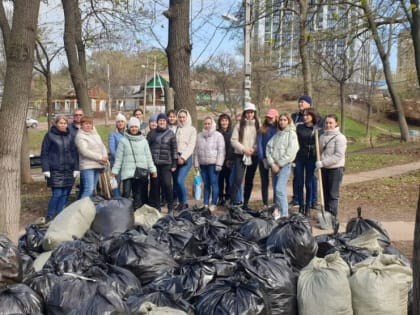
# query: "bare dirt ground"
{"type": "Point", "coordinates": [381, 197]}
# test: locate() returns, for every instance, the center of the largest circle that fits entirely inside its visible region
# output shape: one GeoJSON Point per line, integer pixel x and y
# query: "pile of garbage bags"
{"type": "Point", "coordinates": [105, 258]}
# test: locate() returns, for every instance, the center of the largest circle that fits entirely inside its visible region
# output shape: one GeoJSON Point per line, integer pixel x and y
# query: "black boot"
{"type": "Point", "coordinates": [307, 211]}
{"type": "Point", "coordinates": [302, 210]}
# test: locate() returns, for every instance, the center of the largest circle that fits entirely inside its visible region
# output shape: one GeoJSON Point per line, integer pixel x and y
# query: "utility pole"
{"type": "Point", "coordinates": [154, 86]}
{"type": "Point", "coordinates": [247, 53]}
{"type": "Point", "coordinates": [145, 85]}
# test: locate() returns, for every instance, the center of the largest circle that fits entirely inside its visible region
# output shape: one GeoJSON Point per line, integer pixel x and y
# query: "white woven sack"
{"type": "Point", "coordinates": [40, 261]}
{"type": "Point", "coordinates": [380, 285]}
{"type": "Point", "coordinates": [323, 287]}
{"type": "Point", "coordinates": [74, 221]}
{"type": "Point", "coordinates": [148, 308]}
{"type": "Point", "coordinates": [146, 215]}
{"type": "Point", "coordinates": [368, 240]}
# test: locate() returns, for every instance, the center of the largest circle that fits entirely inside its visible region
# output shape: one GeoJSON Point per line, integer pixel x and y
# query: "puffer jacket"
{"type": "Point", "coordinates": [127, 159]}
{"type": "Point", "coordinates": [59, 156]}
{"type": "Point", "coordinates": [249, 139]}
{"type": "Point", "coordinates": [262, 140]}
{"type": "Point", "coordinates": [333, 145]}
{"type": "Point", "coordinates": [210, 147]}
{"type": "Point", "coordinates": [91, 149]}
{"type": "Point", "coordinates": [282, 147]}
{"type": "Point", "coordinates": [186, 137]}
{"type": "Point", "coordinates": [306, 138]}
{"type": "Point", "coordinates": [162, 144]}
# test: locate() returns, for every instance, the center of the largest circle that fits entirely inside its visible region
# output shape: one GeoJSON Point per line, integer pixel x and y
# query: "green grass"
{"type": "Point", "coordinates": [367, 162]}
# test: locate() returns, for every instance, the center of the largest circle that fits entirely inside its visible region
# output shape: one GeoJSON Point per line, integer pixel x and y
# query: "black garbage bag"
{"type": "Point", "coordinates": [10, 263]}
{"type": "Point", "coordinates": [212, 231]}
{"type": "Point", "coordinates": [27, 265]}
{"type": "Point", "coordinates": [234, 296]}
{"type": "Point", "coordinates": [159, 298]}
{"type": "Point", "coordinates": [31, 242]}
{"type": "Point", "coordinates": [73, 294]}
{"type": "Point", "coordinates": [293, 238]}
{"type": "Point", "coordinates": [113, 216]}
{"type": "Point", "coordinates": [357, 226]}
{"type": "Point", "coordinates": [233, 247]}
{"type": "Point", "coordinates": [235, 218]}
{"type": "Point", "coordinates": [73, 256]}
{"type": "Point", "coordinates": [20, 299]}
{"type": "Point", "coordinates": [392, 250]}
{"type": "Point", "coordinates": [328, 242]}
{"type": "Point", "coordinates": [351, 254]}
{"type": "Point", "coordinates": [123, 281]}
{"type": "Point", "coordinates": [146, 261]}
{"type": "Point", "coordinates": [276, 275]}
{"type": "Point", "coordinates": [195, 215]}
{"type": "Point", "coordinates": [257, 229]}
{"type": "Point", "coordinates": [183, 243]}
{"type": "Point", "coordinates": [192, 277]}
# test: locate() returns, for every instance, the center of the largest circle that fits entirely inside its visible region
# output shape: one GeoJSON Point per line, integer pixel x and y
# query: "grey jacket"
{"type": "Point", "coordinates": [333, 145]}
{"type": "Point", "coordinates": [282, 147]}
{"type": "Point", "coordinates": [210, 147]}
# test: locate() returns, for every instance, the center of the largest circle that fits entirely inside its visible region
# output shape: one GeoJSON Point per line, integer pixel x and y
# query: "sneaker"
{"type": "Point", "coordinates": [206, 207]}
{"type": "Point", "coordinates": [212, 208]}
{"type": "Point", "coordinates": [276, 214]}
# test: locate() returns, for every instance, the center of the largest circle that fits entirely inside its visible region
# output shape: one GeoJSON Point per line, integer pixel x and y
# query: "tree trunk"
{"type": "Point", "coordinates": [75, 51]}
{"type": "Point", "coordinates": [179, 54]}
{"type": "Point", "coordinates": [303, 48]}
{"type": "Point", "coordinates": [17, 87]}
{"type": "Point", "coordinates": [25, 165]}
{"type": "Point", "coordinates": [416, 262]}
{"type": "Point", "coordinates": [415, 34]}
{"type": "Point", "coordinates": [387, 72]}
{"type": "Point", "coordinates": [343, 127]}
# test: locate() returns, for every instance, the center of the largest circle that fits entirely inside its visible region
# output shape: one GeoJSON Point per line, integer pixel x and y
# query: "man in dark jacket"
{"type": "Point", "coordinates": [162, 144]}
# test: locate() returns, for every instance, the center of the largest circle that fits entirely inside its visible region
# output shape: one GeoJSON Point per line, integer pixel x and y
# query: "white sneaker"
{"type": "Point", "coordinates": [276, 214]}
{"type": "Point", "coordinates": [212, 208]}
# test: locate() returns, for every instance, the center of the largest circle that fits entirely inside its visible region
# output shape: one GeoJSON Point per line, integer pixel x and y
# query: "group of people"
{"type": "Point", "coordinates": [225, 154]}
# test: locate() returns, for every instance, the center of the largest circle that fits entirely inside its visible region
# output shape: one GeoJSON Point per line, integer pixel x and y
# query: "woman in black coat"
{"type": "Point", "coordinates": [60, 164]}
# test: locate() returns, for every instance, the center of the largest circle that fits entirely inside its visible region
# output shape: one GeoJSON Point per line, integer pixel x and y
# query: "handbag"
{"type": "Point", "coordinates": [140, 172]}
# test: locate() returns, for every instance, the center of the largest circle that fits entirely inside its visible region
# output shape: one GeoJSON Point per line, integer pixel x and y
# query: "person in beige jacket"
{"type": "Point", "coordinates": [245, 159]}
{"type": "Point", "coordinates": [186, 137]}
{"type": "Point", "coordinates": [93, 156]}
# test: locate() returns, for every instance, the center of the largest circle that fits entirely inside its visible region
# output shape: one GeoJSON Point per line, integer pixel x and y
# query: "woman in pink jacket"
{"type": "Point", "coordinates": [209, 156]}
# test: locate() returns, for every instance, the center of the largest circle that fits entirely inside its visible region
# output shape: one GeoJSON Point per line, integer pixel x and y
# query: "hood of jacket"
{"type": "Point", "coordinates": [188, 121]}
{"type": "Point", "coordinates": [137, 137]}
{"type": "Point", "coordinates": [207, 133]}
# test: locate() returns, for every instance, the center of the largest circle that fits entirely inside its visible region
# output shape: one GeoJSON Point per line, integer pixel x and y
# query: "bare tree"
{"type": "Point", "coordinates": [179, 55]}
{"type": "Point", "coordinates": [19, 43]}
{"type": "Point", "coordinates": [416, 262]}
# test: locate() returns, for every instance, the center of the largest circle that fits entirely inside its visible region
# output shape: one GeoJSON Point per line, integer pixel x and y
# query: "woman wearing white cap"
{"type": "Point", "coordinates": [133, 151]}
{"type": "Point", "coordinates": [244, 143]}
{"type": "Point", "coordinates": [113, 140]}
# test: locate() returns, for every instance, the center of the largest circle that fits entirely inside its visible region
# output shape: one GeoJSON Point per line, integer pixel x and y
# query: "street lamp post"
{"type": "Point", "coordinates": [247, 53]}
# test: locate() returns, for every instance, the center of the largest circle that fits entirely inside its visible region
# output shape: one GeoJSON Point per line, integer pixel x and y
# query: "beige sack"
{"type": "Point", "coordinates": [40, 261]}
{"type": "Point", "coordinates": [74, 220]}
{"type": "Point", "coordinates": [368, 240]}
{"type": "Point", "coordinates": [380, 286]}
{"type": "Point", "coordinates": [323, 287]}
{"type": "Point", "coordinates": [146, 215]}
{"type": "Point", "coordinates": [148, 308]}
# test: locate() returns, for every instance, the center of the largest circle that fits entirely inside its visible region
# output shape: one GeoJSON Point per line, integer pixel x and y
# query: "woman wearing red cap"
{"type": "Point", "coordinates": [266, 132]}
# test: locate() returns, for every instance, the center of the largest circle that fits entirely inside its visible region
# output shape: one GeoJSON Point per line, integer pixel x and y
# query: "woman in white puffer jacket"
{"type": "Point", "coordinates": [209, 156]}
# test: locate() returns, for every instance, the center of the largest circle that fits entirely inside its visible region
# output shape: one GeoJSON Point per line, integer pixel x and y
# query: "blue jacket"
{"type": "Point", "coordinates": [113, 140]}
{"type": "Point", "coordinates": [59, 156]}
{"type": "Point", "coordinates": [262, 140]}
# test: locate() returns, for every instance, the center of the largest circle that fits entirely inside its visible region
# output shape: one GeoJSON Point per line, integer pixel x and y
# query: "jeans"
{"type": "Point", "coordinates": [181, 174]}
{"type": "Point", "coordinates": [280, 188]}
{"type": "Point", "coordinates": [239, 198]}
{"type": "Point", "coordinates": [224, 176]}
{"type": "Point", "coordinates": [331, 182]}
{"type": "Point", "coordinates": [295, 200]}
{"type": "Point", "coordinates": [89, 180]}
{"type": "Point", "coordinates": [265, 178]}
{"type": "Point", "coordinates": [241, 170]}
{"type": "Point", "coordinates": [304, 176]}
{"type": "Point", "coordinates": [138, 188]}
{"type": "Point", "coordinates": [211, 183]}
{"type": "Point", "coordinates": [59, 198]}
{"type": "Point", "coordinates": [162, 187]}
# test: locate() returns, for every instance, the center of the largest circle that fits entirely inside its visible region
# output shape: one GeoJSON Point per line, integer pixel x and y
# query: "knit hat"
{"type": "Point", "coordinates": [153, 118]}
{"type": "Point", "coordinates": [249, 106]}
{"type": "Point", "coordinates": [162, 116]}
{"type": "Point", "coordinates": [120, 117]}
{"type": "Point", "coordinates": [133, 122]}
{"type": "Point", "coordinates": [272, 113]}
{"type": "Point", "coordinates": [305, 98]}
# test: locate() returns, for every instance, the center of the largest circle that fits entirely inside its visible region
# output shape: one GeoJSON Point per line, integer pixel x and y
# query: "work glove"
{"type": "Point", "coordinates": [218, 168]}
{"type": "Point", "coordinates": [76, 173]}
{"type": "Point", "coordinates": [47, 174]}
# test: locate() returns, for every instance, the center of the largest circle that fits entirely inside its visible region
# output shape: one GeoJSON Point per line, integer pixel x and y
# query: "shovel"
{"type": "Point", "coordinates": [319, 176]}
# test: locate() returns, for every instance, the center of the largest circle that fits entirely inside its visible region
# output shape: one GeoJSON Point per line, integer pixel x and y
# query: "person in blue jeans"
{"type": "Point", "coordinates": [266, 131]}
{"type": "Point", "coordinates": [113, 140]}
{"type": "Point", "coordinates": [281, 152]}
{"type": "Point", "coordinates": [305, 160]}
{"type": "Point", "coordinates": [93, 156]}
{"type": "Point", "coordinates": [186, 137]}
{"type": "Point", "coordinates": [209, 156]}
{"type": "Point", "coordinates": [60, 164]}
